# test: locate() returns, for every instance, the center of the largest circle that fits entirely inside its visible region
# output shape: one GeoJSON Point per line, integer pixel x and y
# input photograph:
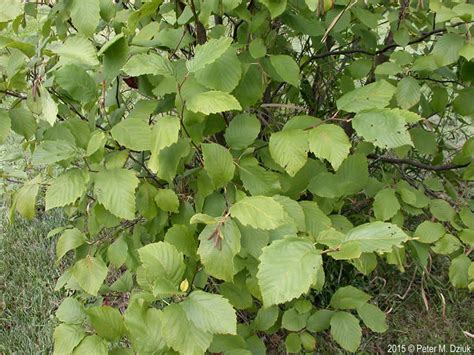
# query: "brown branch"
{"type": "Point", "coordinates": [416, 164]}
{"type": "Point", "coordinates": [14, 94]}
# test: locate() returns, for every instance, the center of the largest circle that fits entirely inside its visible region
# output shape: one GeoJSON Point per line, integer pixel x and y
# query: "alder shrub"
{"type": "Point", "coordinates": [213, 157]}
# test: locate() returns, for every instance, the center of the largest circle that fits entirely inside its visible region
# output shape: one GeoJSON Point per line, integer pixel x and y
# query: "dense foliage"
{"type": "Point", "coordinates": [219, 159]}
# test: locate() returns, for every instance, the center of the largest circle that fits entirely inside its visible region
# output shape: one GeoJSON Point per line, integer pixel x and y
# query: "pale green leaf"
{"type": "Point", "coordinates": [276, 7]}
{"type": "Point", "coordinates": [92, 344]}
{"type": "Point", "coordinates": [211, 313]}
{"type": "Point", "coordinates": [24, 199]}
{"type": "Point", "coordinates": [386, 204]}
{"type": "Point", "coordinates": [242, 131]}
{"type": "Point", "coordinates": [154, 64]}
{"type": "Point", "coordinates": [164, 134]}
{"type": "Point", "coordinates": [115, 190]}
{"type": "Point", "coordinates": [10, 9]}
{"type": "Point", "coordinates": [212, 102]}
{"type": "Point", "coordinates": [346, 331]}
{"type": "Point", "coordinates": [77, 50]}
{"type": "Point", "coordinates": [223, 74]}
{"type": "Point", "coordinates": [289, 149]}
{"type": "Point", "coordinates": [348, 297]}
{"type": "Point", "coordinates": [408, 92]}
{"type": "Point", "coordinates": [280, 278]}
{"type": "Point", "coordinates": [181, 334]}
{"type": "Point", "coordinates": [90, 273]}
{"type": "Point", "coordinates": [218, 164]}
{"type": "Point", "coordinates": [330, 142]}
{"type": "Point", "coordinates": [5, 125]}
{"type": "Point", "coordinates": [167, 200]}
{"type": "Point", "coordinates": [162, 261]}
{"type": "Point", "coordinates": [459, 271]}
{"type": "Point", "coordinates": [208, 53]}
{"type": "Point", "coordinates": [259, 212]}
{"type": "Point", "coordinates": [384, 128]}
{"type": "Point", "coordinates": [66, 338]}
{"type": "Point", "coordinates": [133, 133]}
{"type": "Point", "coordinates": [70, 311]}
{"type": "Point", "coordinates": [256, 179]}
{"type": "Point", "coordinates": [286, 68]}
{"type": "Point", "coordinates": [107, 322]}
{"type": "Point", "coordinates": [69, 240]}
{"type": "Point", "coordinates": [375, 95]}
{"type": "Point", "coordinates": [85, 16]}
{"type": "Point", "coordinates": [429, 232]}
{"type": "Point", "coordinates": [373, 317]}
{"type": "Point", "coordinates": [376, 236]}
{"type": "Point", "coordinates": [50, 152]}
{"type": "Point", "coordinates": [66, 188]}
{"type": "Point", "coordinates": [218, 245]}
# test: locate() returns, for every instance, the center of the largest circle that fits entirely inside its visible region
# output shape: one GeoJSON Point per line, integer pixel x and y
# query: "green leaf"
{"type": "Point", "coordinates": [292, 341]}
{"type": "Point", "coordinates": [223, 74]}
{"type": "Point", "coordinates": [256, 179]}
{"type": "Point", "coordinates": [66, 188]}
{"type": "Point", "coordinates": [10, 9]}
{"type": "Point", "coordinates": [384, 128]}
{"type": "Point", "coordinates": [429, 232]}
{"type": "Point", "coordinates": [162, 261]}
{"type": "Point", "coordinates": [386, 204]}
{"type": "Point", "coordinates": [181, 334]}
{"type": "Point", "coordinates": [373, 317]}
{"type": "Point", "coordinates": [289, 149]}
{"type": "Point", "coordinates": [218, 164]}
{"type": "Point", "coordinates": [115, 190]}
{"type": "Point", "coordinates": [293, 321]}
{"type": "Point", "coordinates": [85, 16]}
{"type": "Point", "coordinates": [70, 311]}
{"type": "Point", "coordinates": [286, 68]}
{"type": "Point", "coordinates": [459, 271]}
{"type": "Point", "coordinates": [218, 245]}
{"type": "Point", "coordinates": [375, 95]}
{"type": "Point", "coordinates": [92, 344]}
{"type": "Point", "coordinates": [144, 327]}
{"type": "Point", "coordinates": [446, 245]}
{"type": "Point", "coordinates": [167, 200]}
{"type": "Point", "coordinates": [259, 212]}
{"type": "Point", "coordinates": [280, 278]}
{"type": "Point", "coordinates": [90, 273]}
{"type": "Point", "coordinates": [312, 4]}
{"type": "Point", "coordinates": [330, 142]}
{"type": "Point", "coordinates": [97, 141]}
{"type": "Point", "coordinates": [212, 102]}
{"type": "Point", "coordinates": [242, 131]}
{"type": "Point", "coordinates": [154, 64]}
{"type": "Point", "coordinates": [66, 338]}
{"type": "Point", "coordinates": [266, 317]}
{"type": "Point", "coordinates": [316, 220]}
{"type": "Point", "coordinates": [77, 50]}
{"type": "Point", "coordinates": [376, 236]}
{"type": "Point", "coordinates": [115, 54]}
{"type": "Point", "coordinates": [49, 110]}
{"type": "Point", "coordinates": [442, 210]}
{"type": "Point", "coordinates": [348, 297]}
{"type": "Point", "coordinates": [24, 199]}
{"type": "Point", "coordinates": [408, 92]}
{"type": "Point", "coordinates": [276, 7]}
{"type": "Point", "coordinates": [69, 240]}
{"type": "Point", "coordinates": [164, 134]}
{"type": "Point", "coordinates": [257, 48]}
{"type": "Point", "coordinates": [133, 133]}
{"type": "Point", "coordinates": [117, 252]}
{"type": "Point", "coordinates": [210, 313]}
{"type": "Point", "coordinates": [346, 331]}
{"type": "Point", "coordinates": [107, 322]}
{"type": "Point", "coordinates": [447, 48]}
{"type": "Point", "coordinates": [319, 320]}
{"type": "Point", "coordinates": [208, 53]}
{"type": "Point", "coordinates": [5, 125]}
{"type": "Point", "coordinates": [50, 152]}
